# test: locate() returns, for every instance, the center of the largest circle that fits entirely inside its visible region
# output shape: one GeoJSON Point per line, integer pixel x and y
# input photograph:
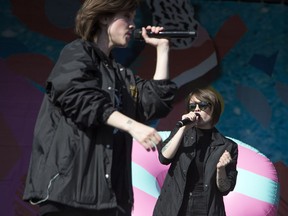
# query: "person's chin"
{"type": "Point", "coordinates": [124, 45]}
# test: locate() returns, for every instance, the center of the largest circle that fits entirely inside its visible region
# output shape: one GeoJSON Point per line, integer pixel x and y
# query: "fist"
{"type": "Point", "coordinates": [224, 160]}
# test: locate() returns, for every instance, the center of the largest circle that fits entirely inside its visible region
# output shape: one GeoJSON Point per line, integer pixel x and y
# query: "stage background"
{"type": "Point", "coordinates": [241, 51]}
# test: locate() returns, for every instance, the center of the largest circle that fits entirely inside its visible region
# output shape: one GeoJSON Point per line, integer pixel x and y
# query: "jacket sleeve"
{"type": "Point", "coordinates": [231, 169]}
{"type": "Point", "coordinates": [155, 98]}
{"type": "Point", "coordinates": [75, 87]}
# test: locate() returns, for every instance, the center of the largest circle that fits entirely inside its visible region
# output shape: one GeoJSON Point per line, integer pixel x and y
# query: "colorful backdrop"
{"type": "Point", "coordinates": [240, 50]}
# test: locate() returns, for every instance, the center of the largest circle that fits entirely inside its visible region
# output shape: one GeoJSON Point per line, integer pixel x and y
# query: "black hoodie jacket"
{"type": "Point", "coordinates": [72, 149]}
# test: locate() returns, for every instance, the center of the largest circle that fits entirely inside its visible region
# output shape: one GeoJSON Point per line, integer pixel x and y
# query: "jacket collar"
{"type": "Point", "coordinates": [217, 138]}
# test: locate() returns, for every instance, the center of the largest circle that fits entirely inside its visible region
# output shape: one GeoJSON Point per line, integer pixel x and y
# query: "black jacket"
{"type": "Point", "coordinates": [172, 192]}
{"type": "Point", "coordinates": [72, 149]}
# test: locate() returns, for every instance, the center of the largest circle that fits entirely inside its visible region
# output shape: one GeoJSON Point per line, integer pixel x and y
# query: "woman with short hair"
{"type": "Point", "coordinates": [202, 161]}
{"type": "Point", "coordinates": [92, 109]}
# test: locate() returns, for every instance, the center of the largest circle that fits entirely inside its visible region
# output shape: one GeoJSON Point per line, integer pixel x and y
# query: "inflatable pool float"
{"type": "Point", "coordinates": [256, 192]}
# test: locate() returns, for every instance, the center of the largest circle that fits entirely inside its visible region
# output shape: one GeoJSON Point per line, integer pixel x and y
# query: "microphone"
{"type": "Point", "coordinates": [186, 121]}
{"type": "Point", "coordinates": [165, 34]}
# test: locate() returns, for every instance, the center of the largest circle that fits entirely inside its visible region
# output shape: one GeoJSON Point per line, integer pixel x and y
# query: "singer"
{"type": "Point", "coordinates": [202, 161]}
{"type": "Point", "coordinates": [92, 109]}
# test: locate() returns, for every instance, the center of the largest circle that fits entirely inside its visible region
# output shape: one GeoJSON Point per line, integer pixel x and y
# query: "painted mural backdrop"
{"type": "Point", "coordinates": [240, 50]}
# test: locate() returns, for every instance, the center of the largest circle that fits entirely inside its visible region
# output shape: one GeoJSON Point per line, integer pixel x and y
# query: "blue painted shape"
{"type": "Point", "coordinates": [256, 103]}
{"type": "Point", "coordinates": [10, 46]}
{"type": "Point", "coordinates": [266, 64]}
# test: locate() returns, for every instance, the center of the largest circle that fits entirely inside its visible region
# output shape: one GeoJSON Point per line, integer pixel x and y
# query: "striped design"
{"type": "Point", "coordinates": [256, 191]}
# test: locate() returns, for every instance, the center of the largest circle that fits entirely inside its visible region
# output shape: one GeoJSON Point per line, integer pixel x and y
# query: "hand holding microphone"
{"type": "Point", "coordinates": [165, 34]}
{"type": "Point", "coordinates": [187, 121]}
{"type": "Point", "coordinates": [143, 34]}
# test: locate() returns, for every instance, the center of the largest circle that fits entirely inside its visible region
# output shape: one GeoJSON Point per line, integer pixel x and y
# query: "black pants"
{"type": "Point", "coordinates": [195, 205]}
{"type": "Point", "coordinates": [85, 213]}
{"type": "Point", "coordinates": [56, 209]}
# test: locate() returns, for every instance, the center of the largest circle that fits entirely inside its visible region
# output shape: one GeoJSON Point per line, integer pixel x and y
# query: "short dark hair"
{"type": "Point", "coordinates": [87, 18]}
{"type": "Point", "coordinates": [210, 96]}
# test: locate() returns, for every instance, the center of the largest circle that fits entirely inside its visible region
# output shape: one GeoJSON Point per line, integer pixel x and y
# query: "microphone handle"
{"type": "Point", "coordinates": [165, 34]}
{"type": "Point", "coordinates": [186, 121]}
{"type": "Point", "coordinates": [183, 122]}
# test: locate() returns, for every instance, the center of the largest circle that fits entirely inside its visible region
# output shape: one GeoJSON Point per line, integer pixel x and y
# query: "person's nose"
{"type": "Point", "coordinates": [132, 25]}
{"type": "Point", "coordinates": [197, 108]}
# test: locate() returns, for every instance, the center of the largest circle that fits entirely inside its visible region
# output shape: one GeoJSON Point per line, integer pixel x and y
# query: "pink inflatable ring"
{"type": "Point", "coordinates": [256, 192]}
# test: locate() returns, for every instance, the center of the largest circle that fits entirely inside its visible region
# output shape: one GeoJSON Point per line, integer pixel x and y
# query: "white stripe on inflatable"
{"type": "Point", "coordinates": [256, 186]}
{"type": "Point", "coordinates": [144, 181]}
{"type": "Point", "coordinates": [247, 146]}
{"type": "Point", "coordinates": [164, 134]}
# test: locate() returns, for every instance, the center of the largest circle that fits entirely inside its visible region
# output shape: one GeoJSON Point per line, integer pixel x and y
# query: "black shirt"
{"type": "Point", "coordinates": [196, 171]}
